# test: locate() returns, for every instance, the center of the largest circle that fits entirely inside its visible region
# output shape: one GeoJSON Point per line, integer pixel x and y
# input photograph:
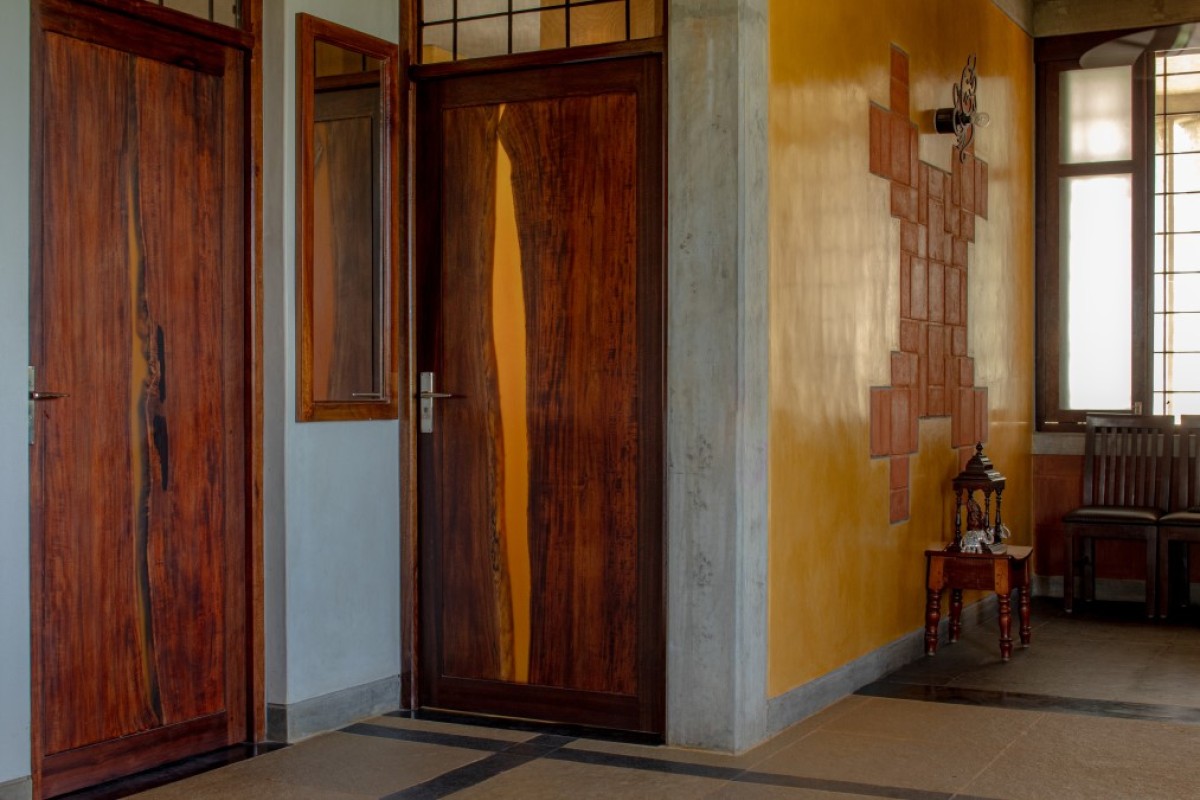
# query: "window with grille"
{"type": "Point", "coordinates": [1176, 353]}
{"type": "Point", "coordinates": [455, 30]}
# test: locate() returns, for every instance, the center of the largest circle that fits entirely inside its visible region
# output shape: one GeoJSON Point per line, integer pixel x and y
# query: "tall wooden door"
{"type": "Point", "coordinates": [138, 308]}
{"type": "Point", "coordinates": [540, 310]}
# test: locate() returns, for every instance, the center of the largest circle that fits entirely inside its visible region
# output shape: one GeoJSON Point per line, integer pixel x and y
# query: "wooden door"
{"type": "Point", "coordinates": [540, 308]}
{"type": "Point", "coordinates": [138, 305]}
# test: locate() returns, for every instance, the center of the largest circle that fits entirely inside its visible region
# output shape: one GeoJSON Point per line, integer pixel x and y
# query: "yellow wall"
{"type": "Point", "coordinates": [844, 582]}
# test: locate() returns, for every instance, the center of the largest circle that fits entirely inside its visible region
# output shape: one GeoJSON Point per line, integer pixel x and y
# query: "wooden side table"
{"type": "Point", "coordinates": [999, 573]}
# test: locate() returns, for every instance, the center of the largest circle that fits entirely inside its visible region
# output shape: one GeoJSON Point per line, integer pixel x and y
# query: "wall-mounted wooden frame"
{"type": "Point", "coordinates": [347, 223]}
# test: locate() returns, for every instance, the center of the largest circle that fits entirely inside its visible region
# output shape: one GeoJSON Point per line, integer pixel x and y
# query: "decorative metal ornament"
{"type": "Point", "coordinates": [965, 116]}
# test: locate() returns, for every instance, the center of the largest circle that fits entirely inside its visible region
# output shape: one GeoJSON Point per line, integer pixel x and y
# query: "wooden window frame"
{"type": "Point", "coordinates": [1054, 56]}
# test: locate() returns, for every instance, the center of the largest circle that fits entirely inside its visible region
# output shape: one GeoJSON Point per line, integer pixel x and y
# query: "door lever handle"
{"type": "Point", "coordinates": [48, 395]}
{"type": "Point", "coordinates": [435, 395]}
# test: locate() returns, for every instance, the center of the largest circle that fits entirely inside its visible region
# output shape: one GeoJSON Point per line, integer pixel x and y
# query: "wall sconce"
{"type": "Point", "coordinates": [965, 116]}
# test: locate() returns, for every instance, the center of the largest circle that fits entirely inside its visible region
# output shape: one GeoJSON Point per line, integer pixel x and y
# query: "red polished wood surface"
{"type": "Point", "coordinates": [139, 518]}
{"type": "Point", "coordinates": [585, 186]}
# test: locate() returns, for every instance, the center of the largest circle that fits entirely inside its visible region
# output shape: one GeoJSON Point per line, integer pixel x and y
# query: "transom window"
{"type": "Point", "coordinates": [454, 30]}
{"type": "Point", "coordinates": [225, 12]}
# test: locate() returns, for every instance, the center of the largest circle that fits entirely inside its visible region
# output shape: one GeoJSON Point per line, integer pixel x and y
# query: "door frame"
{"type": "Point", "coordinates": [248, 39]}
{"type": "Point", "coordinates": [412, 73]}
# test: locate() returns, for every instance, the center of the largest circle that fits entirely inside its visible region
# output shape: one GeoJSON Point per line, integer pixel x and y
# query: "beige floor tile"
{"type": "Point", "coordinates": [551, 779]}
{"type": "Point", "coordinates": [880, 761]}
{"type": "Point", "coordinates": [1066, 756]}
{"type": "Point", "coordinates": [224, 786]}
{"type": "Point", "coordinates": [937, 724]}
{"type": "Point", "coordinates": [758, 791]}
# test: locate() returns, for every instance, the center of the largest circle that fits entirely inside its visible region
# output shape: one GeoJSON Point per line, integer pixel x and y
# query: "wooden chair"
{"type": "Point", "coordinates": [1126, 489]}
{"type": "Point", "coordinates": [1182, 525]}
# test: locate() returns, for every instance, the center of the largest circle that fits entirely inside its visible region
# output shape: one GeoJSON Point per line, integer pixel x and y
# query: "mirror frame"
{"type": "Point", "coordinates": [309, 31]}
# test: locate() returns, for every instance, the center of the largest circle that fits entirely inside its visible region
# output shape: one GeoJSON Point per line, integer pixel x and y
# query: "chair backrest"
{"type": "Point", "coordinates": [1127, 461]}
{"type": "Point", "coordinates": [1186, 492]}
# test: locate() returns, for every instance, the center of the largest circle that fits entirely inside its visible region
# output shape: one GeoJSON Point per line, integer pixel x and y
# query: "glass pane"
{"type": "Point", "coordinates": [1183, 62]}
{"type": "Point", "coordinates": [1182, 292]}
{"type": "Point", "coordinates": [1182, 372]}
{"type": "Point", "coordinates": [545, 30]}
{"type": "Point", "coordinates": [1177, 212]}
{"type": "Point", "coordinates": [437, 10]}
{"type": "Point", "coordinates": [598, 24]}
{"type": "Point", "coordinates": [522, 5]}
{"type": "Point", "coordinates": [1096, 112]}
{"type": "Point", "coordinates": [1180, 173]}
{"type": "Point", "coordinates": [227, 12]}
{"type": "Point", "coordinates": [1095, 283]}
{"type": "Point", "coordinates": [1178, 253]}
{"type": "Point", "coordinates": [478, 38]}
{"type": "Point", "coordinates": [197, 8]}
{"type": "Point", "coordinates": [1183, 132]}
{"type": "Point", "coordinates": [437, 43]}
{"type": "Point", "coordinates": [1181, 331]}
{"type": "Point", "coordinates": [645, 19]}
{"type": "Point", "coordinates": [1184, 404]}
{"type": "Point", "coordinates": [476, 8]}
{"type": "Point", "coordinates": [1182, 93]}
{"type": "Point", "coordinates": [334, 60]}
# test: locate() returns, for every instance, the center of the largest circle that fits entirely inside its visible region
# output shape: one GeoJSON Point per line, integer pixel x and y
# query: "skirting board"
{"type": "Point", "coordinates": [296, 721]}
{"type": "Point", "coordinates": [20, 789]}
{"type": "Point", "coordinates": [806, 700]}
{"type": "Point", "coordinates": [1121, 590]}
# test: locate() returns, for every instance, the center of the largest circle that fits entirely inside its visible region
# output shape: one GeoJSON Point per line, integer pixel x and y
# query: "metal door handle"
{"type": "Point", "coordinates": [435, 395]}
{"type": "Point", "coordinates": [48, 395]}
{"type": "Point", "coordinates": [427, 395]}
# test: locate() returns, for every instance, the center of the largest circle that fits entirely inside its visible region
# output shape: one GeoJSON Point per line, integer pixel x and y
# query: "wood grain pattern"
{"type": "Point", "coordinates": [578, 236]}
{"type": "Point", "coordinates": [584, 150]}
{"type": "Point", "coordinates": [140, 477]}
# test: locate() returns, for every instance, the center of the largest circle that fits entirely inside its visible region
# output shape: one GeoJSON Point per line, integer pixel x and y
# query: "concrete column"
{"type": "Point", "coordinates": [717, 372]}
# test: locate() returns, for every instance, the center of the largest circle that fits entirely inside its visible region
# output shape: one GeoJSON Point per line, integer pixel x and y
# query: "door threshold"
{"type": "Point", "coordinates": [170, 773]}
{"type": "Point", "coordinates": [530, 726]}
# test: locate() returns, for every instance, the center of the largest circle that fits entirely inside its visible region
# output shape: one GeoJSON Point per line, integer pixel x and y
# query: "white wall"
{"type": "Point", "coordinates": [331, 488]}
{"type": "Point", "coordinates": [14, 357]}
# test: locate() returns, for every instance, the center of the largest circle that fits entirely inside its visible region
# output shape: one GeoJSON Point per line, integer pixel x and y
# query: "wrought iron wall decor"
{"type": "Point", "coordinates": [965, 116]}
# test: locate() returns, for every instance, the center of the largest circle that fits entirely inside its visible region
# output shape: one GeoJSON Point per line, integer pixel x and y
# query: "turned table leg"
{"type": "Point", "coordinates": [955, 614]}
{"type": "Point", "coordinates": [933, 614]}
{"type": "Point", "coordinates": [1006, 643]}
{"type": "Point", "coordinates": [1026, 631]}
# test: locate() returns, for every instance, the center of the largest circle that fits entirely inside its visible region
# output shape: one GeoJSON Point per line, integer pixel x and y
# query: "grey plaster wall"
{"type": "Point", "coordinates": [331, 489]}
{"type": "Point", "coordinates": [717, 263]}
{"type": "Point", "coordinates": [14, 358]}
{"type": "Point", "coordinates": [1058, 17]}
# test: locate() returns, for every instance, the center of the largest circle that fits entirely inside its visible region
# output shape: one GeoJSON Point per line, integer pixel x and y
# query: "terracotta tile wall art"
{"type": "Point", "coordinates": [932, 375]}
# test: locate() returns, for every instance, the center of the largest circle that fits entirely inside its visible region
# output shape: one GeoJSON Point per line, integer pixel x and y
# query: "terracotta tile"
{"type": "Point", "coordinates": [899, 478]}
{"type": "Point", "coordinates": [967, 195]}
{"type": "Point", "coordinates": [966, 418]}
{"type": "Point", "coordinates": [959, 337]}
{"type": "Point", "coordinates": [904, 202]}
{"type": "Point", "coordinates": [953, 197]}
{"type": "Point", "coordinates": [905, 287]}
{"type": "Point", "coordinates": [908, 335]}
{"type": "Point", "coordinates": [904, 369]}
{"type": "Point", "coordinates": [936, 222]}
{"type": "Point", "coordinates": [937, 184]}
{"type": "Point", "coordinates": [923, 193]}
{"type": "Point", "coordinates": [899, 97]}
{"type": "Point", "coordinates": [937, 401]}
{"type": "Point", "coordinates": [962, 300]}
{"type": "Point", "coordinates": [899, 65]}
{"type": "Point", "coordinates": [952, 372]}
{"type": "Point", "coordinates": [952, 221]}
{"type": "Point", "coordinates": [922, 241]}
{"type": "Point", "coordinates": [937, 292]}
{"type": "Point", "coordinates": [902, 409]}
{"type": "Point", "coordinates": [923, 386]}
{"type": "Point", "coordinates": [981, 190]}
{"type": "Point", "coordinates": [914, 419]}
{"type": "Point", "coordinates": [966, 371]}
{"type": "Point", "coordinates": [923, 340]}
{"type": "Point", "coordinates": [948, 189]}
{"type": "Point", "coordinates": [937, 356]}
{"type": "Point", "coordinates": [899, 505]}
{"type": "Point", "coordinates": [919, 289]}
{"type": "Point", "coordinates": [914, 154]}
{"type": "Point", "coordinates": [881, 421]}
{"type": "Point", "coordinates": [878, 141]}
{"type": "Point", "coordinates": [958, 255]}
{"type": "Point", "coordinates": [900, 139]}
{"type": "Point", "coordinates": [953, 309]}
{"type": "Point", "coordinates": [966, 227]}
{"type": "Point", "coordinates": [981, 415]}
{"type": "Point", "coordinates": [909, 237]}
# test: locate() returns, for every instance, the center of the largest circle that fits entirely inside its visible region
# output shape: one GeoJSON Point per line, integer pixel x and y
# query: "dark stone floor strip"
{"type": "Point", "coordinates": [475, 773]}
{"type": "Point", "coordinates": [1020, 701]}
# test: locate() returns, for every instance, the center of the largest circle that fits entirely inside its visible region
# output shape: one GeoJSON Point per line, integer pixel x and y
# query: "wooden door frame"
{"type": "Point", "coordinates": [411, 73]}
{"type": "Point", "coordinates": [248, 39]}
